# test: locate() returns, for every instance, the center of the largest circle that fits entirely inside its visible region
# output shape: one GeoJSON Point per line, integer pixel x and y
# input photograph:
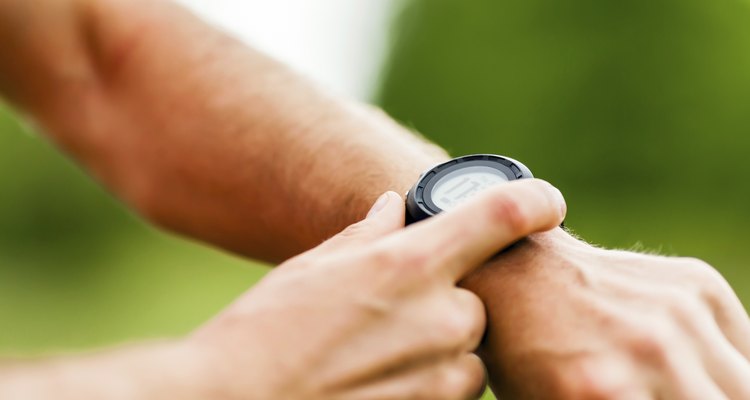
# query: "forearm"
{"type": "Point", "coordinates": [234, 148]}
{"type": "Point", "coordinates": [155, 371]}
{"type": "Point", "coordinates": [214, 140]}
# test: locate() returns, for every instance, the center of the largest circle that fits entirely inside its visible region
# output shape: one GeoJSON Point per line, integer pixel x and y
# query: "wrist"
{"type": "Point", "coordinates": [394, 160]}
{"type": "Point", "coordinates": [204, 367]}
{"type": "Point", "coordinates": [224, 367]}
{"type": "Point", "coordinates": [404, 165]}
{"type": "Point", "coordinates": [168, 369]}
{"type": "Point", "coordinates": [194, 376]}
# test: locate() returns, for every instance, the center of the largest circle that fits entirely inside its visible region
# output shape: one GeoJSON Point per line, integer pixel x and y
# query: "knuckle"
{"type": "Point", "coordinates": [418, 265]}
{"type": "Point", "coordinates": [401, 267]}
{"type": "Point", "coordinates": [472, 308]}
{"type": "Point", "coordinates": [461, 329]}
{"type": "Point", "coordinates": [699, 269]}
{"type": "Point", "coordinates": [417, 259]}
{"type": "Point", "coordinates": [465, 380]}
{"type": "Point", "coordinates": [652, 343]}
{"type": "Point", "coordinates": [505, 210]}
{"type": "Point", "coordinates": [387, 270]}
{"type": "Point", "coordinates": [684, 307]}
{"type": "Point", "coordinates": [416, 268]}
{"type": "Point", "coordinates": [395, 250]}
{"type": "Point", "coordinates": [712, 286]}
{"type": "Point", "coordinates": [590, 378]}
{"type": "Point", "coordinates": [385, 257]}
{"type": "Point", "coordinates": [696, 268]}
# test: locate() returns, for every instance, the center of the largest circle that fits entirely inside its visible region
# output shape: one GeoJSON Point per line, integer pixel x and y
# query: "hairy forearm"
{"type": "Point", "coordinates": [219, 142]}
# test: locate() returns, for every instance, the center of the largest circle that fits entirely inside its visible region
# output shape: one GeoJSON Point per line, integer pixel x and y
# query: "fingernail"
{"type": "Point", "coordinates": [379, 205]}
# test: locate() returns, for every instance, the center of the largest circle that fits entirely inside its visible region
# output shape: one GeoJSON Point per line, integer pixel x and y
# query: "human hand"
{"type": "Point", "coordinates": [571, 321]}
{"type": "Point", "coordinates": [374, 312]}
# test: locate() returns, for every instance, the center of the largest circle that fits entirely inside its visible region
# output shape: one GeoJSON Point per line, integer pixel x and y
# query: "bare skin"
{"type": "Point", "coordinates": [570, 321]}
{"type": "Point", "coordinates": [185, 124]}
{"type": "Point", "coordinates": [122, 94]}
{"type": "Point", "coordinates": [369, 314]}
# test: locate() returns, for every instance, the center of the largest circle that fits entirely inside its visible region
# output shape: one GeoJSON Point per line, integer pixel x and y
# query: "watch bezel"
{"type": "Point", "coordinates": [419, 204]}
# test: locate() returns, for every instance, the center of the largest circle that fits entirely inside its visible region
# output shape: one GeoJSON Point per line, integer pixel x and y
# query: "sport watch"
{"type": "Point", "coordinates": [451, 183]}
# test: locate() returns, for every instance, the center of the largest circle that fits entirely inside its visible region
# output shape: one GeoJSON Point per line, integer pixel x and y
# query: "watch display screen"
{"type": "Point", "coordinates": [447, 185]}
{"type": "Point", "coordinates": [460, 185]}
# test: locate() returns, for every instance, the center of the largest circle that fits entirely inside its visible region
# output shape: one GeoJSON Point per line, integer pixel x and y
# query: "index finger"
{"type": "Point", "coordinates": [460, 240]}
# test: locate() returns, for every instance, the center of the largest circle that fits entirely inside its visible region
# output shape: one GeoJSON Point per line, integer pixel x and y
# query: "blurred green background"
{"type": "Point", "coordinates": [639, 111]}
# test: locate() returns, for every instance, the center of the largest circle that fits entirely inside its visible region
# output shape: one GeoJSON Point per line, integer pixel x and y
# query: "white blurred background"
{"type": "Point", "coordinates": [338, 43]}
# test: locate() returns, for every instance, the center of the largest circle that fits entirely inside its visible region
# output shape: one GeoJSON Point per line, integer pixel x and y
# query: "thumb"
{"type": "Point", "coordinates": [386, 216]}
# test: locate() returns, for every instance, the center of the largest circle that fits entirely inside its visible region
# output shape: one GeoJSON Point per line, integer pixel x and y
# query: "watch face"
{"type": "Point", "coordinates": [460, 185]}
{"type": "Point", "coordinates": [449, 184]}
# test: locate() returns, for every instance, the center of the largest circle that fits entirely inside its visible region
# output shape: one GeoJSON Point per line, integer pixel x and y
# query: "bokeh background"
{"type": "Point", "coordinates": [639, 111]}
